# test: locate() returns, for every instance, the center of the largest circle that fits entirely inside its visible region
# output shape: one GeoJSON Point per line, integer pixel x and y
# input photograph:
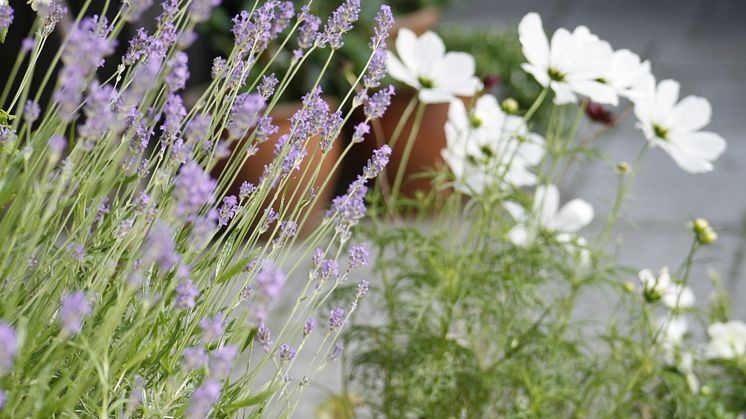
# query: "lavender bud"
{"type": "Point", "coordinates": [74, 307]}
{"type": "Point", "coordinates": [336, 351]}
{"type": "Point", "coordinates": [31, 112]}
{"type": "Point", "coordinates": [193, 359]}
{"type": "Point", "coordinates": [336, 318]}
{"type": "Point", "coordinates": [362, 289]}
{"type": "Point", "coordinates": [186, 292]}
{"type": "Point", "coordinates": [361, 130]}
{"type": "Point", "coordinates": [221, 361]}
{"type": "Point", "coordinates": [358, 256]}
{"type": "Point", "coordinates": [286, 353]}
{"type": "Point", "coordinates": [177, 78]}
{"type": "Point", "coordinates": [228, 210]}
{"type": "Point", "coordinates": [8, 347]}
{"type": "Point", "coordinates": [203, 399]}
{"type": "Point", "coordinates": [308, 326]}
{"type": "Point", "coordinates": [212, 328]}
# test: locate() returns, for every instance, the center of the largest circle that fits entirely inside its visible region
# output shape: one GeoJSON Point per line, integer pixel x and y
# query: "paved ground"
{"type": "Point", "coordinates": [701, 44]}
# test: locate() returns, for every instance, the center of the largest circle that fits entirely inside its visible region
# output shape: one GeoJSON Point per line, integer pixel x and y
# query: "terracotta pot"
{"type": "Point", "coordinates": [252, 169]}
{"type": "Point", "coordinates": [418, 22]}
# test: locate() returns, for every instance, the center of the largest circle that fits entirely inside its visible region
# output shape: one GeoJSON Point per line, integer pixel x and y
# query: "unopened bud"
{"type": "Point", "coordinates": [510, 106]}
{"type": "Point", "coordinates": [703, 231]}
{"type": "Point", "coordinates": [623, 168]}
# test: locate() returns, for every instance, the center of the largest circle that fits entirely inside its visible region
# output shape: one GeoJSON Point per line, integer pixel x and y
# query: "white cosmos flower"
{"type": "Point", "coordinates": [627, 73]}
{"type": "Point", "coordinates": [487, 146]}
{"type": "Point", "coordinates": [675, 126]}
{"type": "Point", "coordinates": [664, 288]}
{"type": "Point", "coordinates": [727, 340]}
{"type": "Point", "coordinates": [547, 215]}
{"type": "Point", "coordinates": [424, 64]}
{"type": "Point", "coordinates": [573, 63]}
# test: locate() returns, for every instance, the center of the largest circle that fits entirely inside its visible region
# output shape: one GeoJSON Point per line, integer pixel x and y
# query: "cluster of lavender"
{"type": "Point", "coordinates": [124, 254]}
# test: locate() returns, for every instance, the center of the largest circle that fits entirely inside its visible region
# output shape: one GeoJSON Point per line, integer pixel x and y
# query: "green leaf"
{"type": "Point", "coordinates": [234, 270]}
{"type": "Point", "coordinates": [256, 398]}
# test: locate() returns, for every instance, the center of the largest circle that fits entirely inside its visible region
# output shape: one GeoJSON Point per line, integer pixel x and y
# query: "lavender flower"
{"type": "Point", "coordinates": [384, 24]}
{"type": "Point", "coordinates": [376, 105]}
{"type": "Point", "coordinates": [175, 113]}
{"type": "Point", "coordinates": [31, 112]}
{"type": "Point", "coordinates": [198, 128]}
{"type": "Point", "coordinates": [186, 292]}
{"type": "Point", "coordinates": [86, 48]}
{"type": "Point", "coordinates": [311, 118]}
{"type": "Point", "coordinates": [27, 44]}
{"type": "Point", "coordinates": [362, 289]}
{"type": "Point", "coordinates": [77, 251]}
{"type": "Point", "coordinates": [269, 280]}
{"type": "Point", "coordinates": [160, 248]}
{"type": "Point", "coordinates": [358, 256]}
{"type": "Point", "coordinates": [6, 17]}
{"type": "Point", "coordinates": [285, 12]}
{"type": "Point", "coordinates": [221, 361]}
{"type": "Point", "coordinates": [203, 228]}
{"type": "Point", "coordinates": [330, 131]}
{"type": "Point", "coordinates": [50, 13]}
{"type": "Point", "coordinates": [361, 130]}
{"type": "Point", "coordinates": [308, 326]}
{"type": "Point", "coordinates": [176, 79]}
{"type": "Point", "coordinates": [336, 318]}
{"type": "Point", "coordinates": [57, 144]}
{"type": "Point", "coordinates": [376, 69]}
{"type": "Point", "coordinates": [7, 135]}
{"type": "Point", "coordinates": [288, 229]}
{"type": "Point", "coordinates": [212, 327]}
{"type": "Point", "coordinates": [74, 307]}
{"type": "Point", "coordinates": [203, 399]}
{"type": "Point", "coordinates": [286, 353]}
{"type": "Point", "coordinates": [200, 9]}
{"type": "Point", "coordinates": [308, 30]}
{"type": "Point", "coordinates": [377, 162]}
{"type": "Point", "coordinates": [245, 190]}
{"type": "Point", "coordinates": [218, 67]}
{"type": "Point", "coordinates": [228, 210]}
{"type": "Point", "coordinates": [8, 347]}
{"type": "Point", "coordinates": [193, 188]}
{"type": "Point", "coordinates": [3, 397]}
{"type": "Point", "coordinates": [339, 23]}
{"type": "Point", "coordinates": [347, 210]}
{"type": "Point", "coordinates": [267, 87]}
{"type": "Point", "coordinates": [328, 269]}
{"type": "Point", "coordinates": [99, 115]}
{"type": "Point", "coordinates": [245, 113]}
{"type": "Point", "coordinates": [264, 336]}
{"type": "Point", "coordinates": [193, 359]}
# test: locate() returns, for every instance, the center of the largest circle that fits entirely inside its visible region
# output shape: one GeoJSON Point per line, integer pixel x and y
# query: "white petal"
{"type": "Point", "coordinates": [691, 114]}
{"type": "Point", "coordinates": [595, 91]}
{"type": "Point", "coordinates": [575, 215]}
{"type": "Point", "coordinates": [435, 96]}
{"type": "Point", "coordinates": [518, 235]}
{"type": "Point", "coordinates": [406, 48]}
{"type": "Point", "coordinates": [562, 93]}
{"type": "Point", "coordinates": [703, 144]}
{"type": "Point", "coordinates": [688, 162]}
{"type": "Point", "coordinates": [534, 41]}
{"type": "Point", "coordinates": [666, 95]}
{"type": "Point", "coordinates": [398, 71]}
{"type": "Point", "coordinates": [430, 51]}
{"type": "Point", "coordinates": [540, 75]}
{"type": "Point", "coordinates": [561, 53]}
{"type": "Point", "coordinates": [457, 115]}
{"type": "Point", "coordinates": [546, 203]}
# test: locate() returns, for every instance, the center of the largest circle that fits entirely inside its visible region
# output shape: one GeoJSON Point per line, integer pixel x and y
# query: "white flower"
{"type": "Point", "coordinates": [424, 64]}
{"type": "Point", "coordinates": [35, 4]}
{"type": "Point", "coordinates": [671, 333]}
{"type": "Point", "coordinates": [486, 146]}
{"type": "Point", "coordinates": [675, 127]}
{"type": "Point", "coordinates": [627, 73]}
{"type": "Point", "coordinates": [565, 221]}
{"type": "Point", "coordinates": [574, 63]}
{"type": "Point", "coordinates": [662, 287]}
{"type": "Point", "coordinates": [727, 340]}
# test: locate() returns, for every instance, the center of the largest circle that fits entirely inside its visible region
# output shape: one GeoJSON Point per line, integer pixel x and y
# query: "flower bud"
{"type": "Point", "coordinates": [703, 231]}
{"type": "Point", "coordinates": [510, 106]}
{"type": "Point", "coordinates": [623, 168]}
{"type": "Point", "coordinates": [629, 287]}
